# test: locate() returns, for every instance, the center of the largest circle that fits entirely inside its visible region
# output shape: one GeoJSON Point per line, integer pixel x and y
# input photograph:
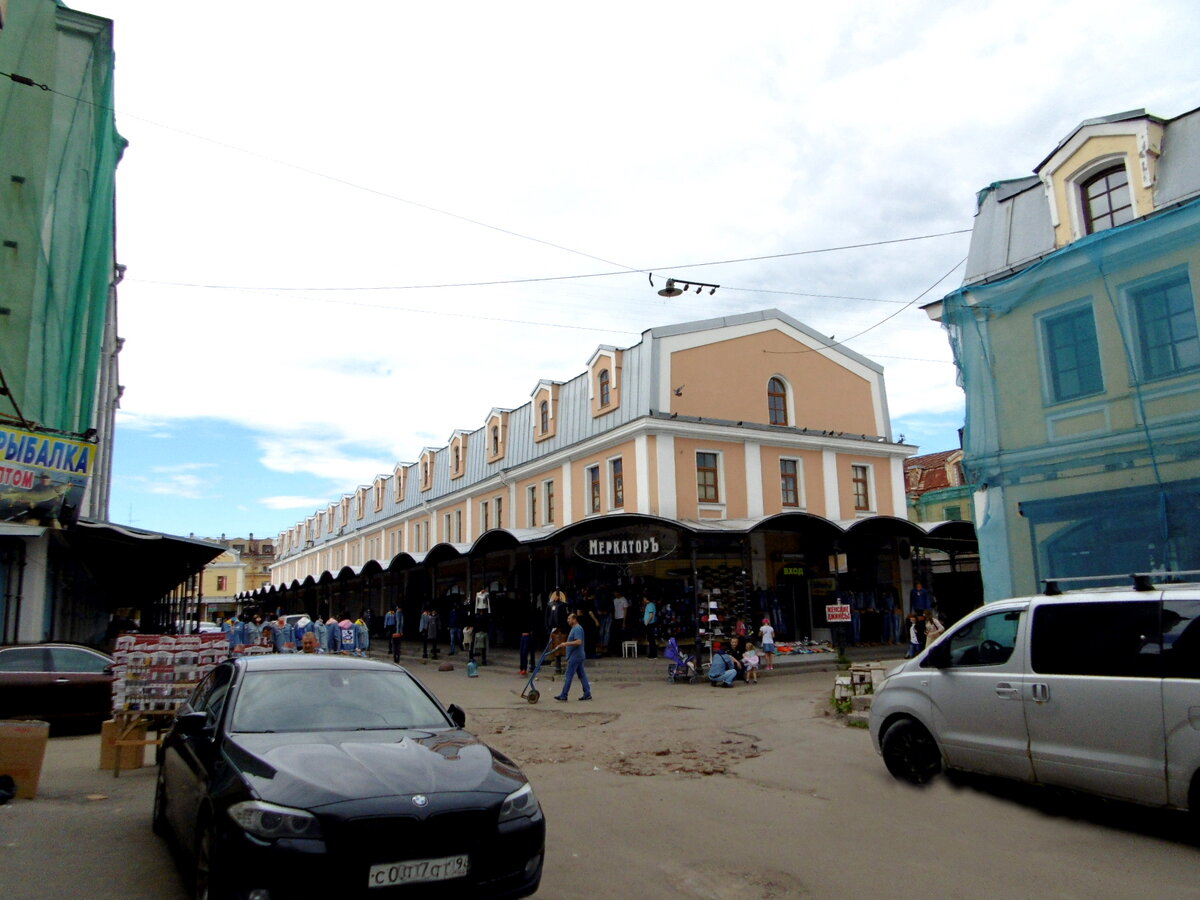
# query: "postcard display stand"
{"type": "Point", "coordinates": [724, 597]}
{"type": "Point", "coordinates": [154, 674]}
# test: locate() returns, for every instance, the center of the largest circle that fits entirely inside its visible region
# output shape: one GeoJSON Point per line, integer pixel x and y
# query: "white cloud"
{"type": "Point", "coordinates": [639, 136]}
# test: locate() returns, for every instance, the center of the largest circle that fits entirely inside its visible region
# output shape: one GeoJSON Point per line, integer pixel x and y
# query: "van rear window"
{"type": "Point", "coordinates": [1121, 639]}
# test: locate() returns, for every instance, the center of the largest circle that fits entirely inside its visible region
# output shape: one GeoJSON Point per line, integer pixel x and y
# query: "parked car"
{"type": "Point", "coordinates": [67, 685]}
{"type": "Point", "coordinates": [1091, 690]}
{"type": "Point", "coordinates": [192, 626]}
{"type": "Point", "coordinates": [304, 776]}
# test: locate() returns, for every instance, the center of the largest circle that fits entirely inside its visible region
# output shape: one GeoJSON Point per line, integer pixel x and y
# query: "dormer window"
{"type": "Point", "coordinates": [605, 388]}
{"type": "Point", "coordinates": [545, 414]}
{"type": "Point", "coordinates": [1106, 199]}
{"type": "Point", "coordinates": [495, 440]}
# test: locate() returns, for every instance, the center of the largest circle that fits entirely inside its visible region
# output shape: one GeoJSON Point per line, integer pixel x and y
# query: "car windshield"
{"type": "Point", "coordinates": [332, 699]}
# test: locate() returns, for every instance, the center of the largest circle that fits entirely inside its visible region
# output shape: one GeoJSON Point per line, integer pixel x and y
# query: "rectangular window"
{"type": "Point", "coordinates": [1072, 354]}
{"type": "Point", "coordinates": [952, 513]}
{"type": "Point", "coordinates": [1165, 314]}
{"type": "Point", "coordinates": [708, 490]}
{"type": "Point", "coordinates": [222, 582]}
{"type": "Point", "coordinates": [548, 490]}
{"type": "Point", "coordinates": [1116, 638]}
{"type": "Point", "coordinates": [499, 512]}
{"type": "Point", "coordinates": [789, 482]}
{"type": "Point", "coordinates": [533, 506]}
{"type": "Point", "coordinates": [458, 526]}
{"type": "Point", "coordinates": [483, 516]}
{"type": "Point", "coordinates": [446, 527]}
{"type": "Point", "coordinates": [593, 475]}
{"type": "Point", "coordinates": [1180, 659]}
{"type": "Point", "coordinates": [617, 472]}
{"type": "Point", "coordinates": [860, 477]}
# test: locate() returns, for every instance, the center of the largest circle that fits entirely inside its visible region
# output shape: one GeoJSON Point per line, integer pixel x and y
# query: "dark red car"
{"type": "Point", "coordinates": [63, 684]}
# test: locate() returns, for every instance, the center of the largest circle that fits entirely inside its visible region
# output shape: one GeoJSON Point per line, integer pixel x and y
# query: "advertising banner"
{"type": "Point", "coordinates": [42, 477]}
{"type": "Point", "coordinates": [627, 546]}
{"type": "Point", "coordinates": [836, 613]}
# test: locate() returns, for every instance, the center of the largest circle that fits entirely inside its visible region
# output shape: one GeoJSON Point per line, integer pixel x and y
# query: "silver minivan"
{"type": "Point", "coordinates": [1092, 690]}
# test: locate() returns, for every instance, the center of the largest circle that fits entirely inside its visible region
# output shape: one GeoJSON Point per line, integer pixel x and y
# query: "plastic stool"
{"type": "Point", "coordinates": [629, 648]}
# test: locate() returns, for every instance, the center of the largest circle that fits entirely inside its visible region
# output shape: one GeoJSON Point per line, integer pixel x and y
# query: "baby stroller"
{"type": "Point", "coordinates": [680, 668]}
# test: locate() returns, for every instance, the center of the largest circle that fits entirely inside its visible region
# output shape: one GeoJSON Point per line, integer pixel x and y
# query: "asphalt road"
{"type": "Point", "coordinates": [677, 791]}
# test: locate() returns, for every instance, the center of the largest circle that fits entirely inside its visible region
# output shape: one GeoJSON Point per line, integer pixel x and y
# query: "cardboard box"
{"type": "Point", "coordinates": [130, 757]}
{"type": "Point", "coordinates": [22, 750]}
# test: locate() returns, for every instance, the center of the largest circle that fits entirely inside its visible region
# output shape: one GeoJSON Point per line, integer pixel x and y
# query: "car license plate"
{"type": "Point", "coordinates": [416, 870]}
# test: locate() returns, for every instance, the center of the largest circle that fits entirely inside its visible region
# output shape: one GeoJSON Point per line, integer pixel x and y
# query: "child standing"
{"type": "Point", "coordinates": [750, 661]}
{"type": "Point", "coordinates": [768, 641]}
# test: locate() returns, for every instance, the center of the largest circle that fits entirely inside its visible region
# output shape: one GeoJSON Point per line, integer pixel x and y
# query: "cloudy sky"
{"type": "Point", "coordinates": [353, 228]}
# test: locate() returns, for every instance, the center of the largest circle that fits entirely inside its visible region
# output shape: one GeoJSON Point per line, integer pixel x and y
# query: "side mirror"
{"type": "Point", "coordinates": [457, 716]}
{"type": "Point", "coordinates": [938, 657]}
{"type": "Point", "coordinates": [191, 724]}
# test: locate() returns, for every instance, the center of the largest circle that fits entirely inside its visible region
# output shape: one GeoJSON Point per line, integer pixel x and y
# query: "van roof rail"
{"type": "Point", "coordinates": [1142, 581]}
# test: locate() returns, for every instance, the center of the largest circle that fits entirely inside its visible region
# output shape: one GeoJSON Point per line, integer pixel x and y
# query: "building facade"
{"type": "Point", "coordinates": [937, 487]}
{"type": "Point", "coordinates": [1075, 334]}
{"type": "Point", "coordinates": [63, 567]}
{"type": "Point", "coordinates": [707, 445]}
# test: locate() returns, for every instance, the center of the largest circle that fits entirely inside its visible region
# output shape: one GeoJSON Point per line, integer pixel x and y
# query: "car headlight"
{"type": "Point", "coordinates": [270, 822]}
{"type": "Point", "coordinates": [520, 804]}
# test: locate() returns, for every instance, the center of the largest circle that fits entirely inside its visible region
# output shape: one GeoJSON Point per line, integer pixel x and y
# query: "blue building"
{"type": "Point", "coordinates": [1075, 335]}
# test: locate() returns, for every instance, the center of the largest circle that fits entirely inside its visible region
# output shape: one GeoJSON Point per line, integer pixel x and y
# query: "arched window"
{"type": "Point", "coordinates": [544, 416]}
{"type": "Point", "coordinates": [1106, 199]}
{"type": "Point", "coordinates": [457, 458]}
{"type": "Point", "coordinates": [777, 402]}
{"type": "Point", "coordinates": [605, 388]}
{"type": "Point", "coordinates": [495, 440]}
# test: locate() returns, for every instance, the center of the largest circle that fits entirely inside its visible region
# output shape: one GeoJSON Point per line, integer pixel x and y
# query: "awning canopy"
{"type": "Point", "coordinates": [131, 566]}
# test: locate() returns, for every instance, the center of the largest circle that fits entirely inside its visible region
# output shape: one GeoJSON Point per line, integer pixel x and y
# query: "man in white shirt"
{"type": "Point", "coordinates": [620, 608]}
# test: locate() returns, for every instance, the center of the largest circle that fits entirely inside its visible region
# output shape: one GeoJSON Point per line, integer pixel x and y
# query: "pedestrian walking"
{"type": "Point", "coordinates": [915, 636]}
{"type": "Point", "coordinates": [650, 623]}
{"type": "Point", "coordinates": [576, 657]}
{"type": "Point", "coordinates": [429, 633]}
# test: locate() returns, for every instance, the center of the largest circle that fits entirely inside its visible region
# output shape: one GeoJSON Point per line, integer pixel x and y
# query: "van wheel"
{"type": "Point", "coordinates": [910, 752]}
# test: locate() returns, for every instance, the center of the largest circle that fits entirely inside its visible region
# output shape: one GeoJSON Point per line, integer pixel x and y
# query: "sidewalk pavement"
{"type": "Point", "coordinates": [506, 660]}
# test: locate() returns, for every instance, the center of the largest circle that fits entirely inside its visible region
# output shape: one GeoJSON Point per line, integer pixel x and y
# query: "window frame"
{"type": "Point", "coordinates": [595, 492]}
{"type": "Point", "coordinates": [1134, 295]}
{"type": "Point", "coordinates": [616, 482]}
{"type": "Point", "coordinates": [1084, 186]}
{"type": "Point", "coordinates": [864, 496]}
{"type": "Point", "coordinates": [605, 382]}
{"type": "Point", "coordinates": [795, 477]}
{"type": "Point", "coordinates": [715, 469]}
{"type": "Point", "coordinates": [548, 492]}
{"type": "Point", "coordinates": [777, 402]}
{"type": "Point", "coordinates": [531, 501]}
{"type": "Point", "coordinates": [1049, 351]}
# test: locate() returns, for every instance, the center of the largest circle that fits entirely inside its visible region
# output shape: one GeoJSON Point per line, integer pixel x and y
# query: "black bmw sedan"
{"type": "Point", "coordinates": [303, 776]}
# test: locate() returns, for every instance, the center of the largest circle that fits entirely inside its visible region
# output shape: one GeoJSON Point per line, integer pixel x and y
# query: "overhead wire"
{"type": "Point", "coordinates": [623, 269]}
{"type": "Point", "coordinates": [584, 275]}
